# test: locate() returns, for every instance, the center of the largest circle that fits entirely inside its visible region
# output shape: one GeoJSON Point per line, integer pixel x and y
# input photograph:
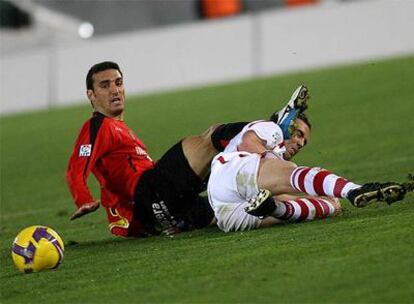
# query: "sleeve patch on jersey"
{"type": "Point", "coordinates": [85, 150]}
{"type": "Point", "coordinates": [277, 137]}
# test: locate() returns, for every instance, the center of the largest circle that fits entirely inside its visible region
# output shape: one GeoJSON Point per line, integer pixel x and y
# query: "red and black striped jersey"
{"type": "Point", "coordinates": [114, 154]}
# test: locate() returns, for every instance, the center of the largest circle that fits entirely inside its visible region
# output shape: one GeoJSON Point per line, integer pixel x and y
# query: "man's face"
{"type": "Point", "coordinates": [298, 139]}
{"type": "Point", "coordinates": [108, 94]}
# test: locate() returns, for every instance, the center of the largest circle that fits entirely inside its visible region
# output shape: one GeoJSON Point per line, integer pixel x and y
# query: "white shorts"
{"type": "Point", "coordinates": [233, 181]}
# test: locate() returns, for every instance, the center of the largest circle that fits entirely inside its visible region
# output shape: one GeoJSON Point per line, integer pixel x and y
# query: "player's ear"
{"type": "Point", "coordinates": [91, 97]}
{"type": "Point", "coordinates": [90, 94]}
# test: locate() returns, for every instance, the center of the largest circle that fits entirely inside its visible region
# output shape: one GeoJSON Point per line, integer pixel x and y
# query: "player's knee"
{"type": "Point", "coordinates": [205, 139]}
{"type": "Point", "coordinates": [207, 134]}
{"type": "Point", "coordinates": [290, 165]}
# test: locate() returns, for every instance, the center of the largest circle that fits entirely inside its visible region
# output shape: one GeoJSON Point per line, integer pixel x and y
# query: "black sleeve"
{"type": "Point", "coordinates": [224, 133]}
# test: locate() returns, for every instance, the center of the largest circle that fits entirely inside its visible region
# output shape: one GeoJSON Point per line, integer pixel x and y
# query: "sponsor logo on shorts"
{"type": "Point", "coordinates": [85, 150]}
{"type": "Point", "coordinates": [163, 216]}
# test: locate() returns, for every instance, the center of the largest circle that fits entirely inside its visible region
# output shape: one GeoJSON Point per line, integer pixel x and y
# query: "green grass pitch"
{"type": "Point", "coordinates": [363, 129]}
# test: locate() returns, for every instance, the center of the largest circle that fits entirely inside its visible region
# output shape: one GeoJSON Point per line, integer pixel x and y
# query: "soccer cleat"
{"type": "Point", "coordinates": [297, 104]}
{"type": "Point", "coordinates": [387, 192]}
{"type": "Point", "coordinates": [261, 205]}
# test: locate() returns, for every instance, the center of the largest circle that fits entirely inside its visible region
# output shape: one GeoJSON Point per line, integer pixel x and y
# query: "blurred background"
{"type": "Point", "coordinates": [48, 46]}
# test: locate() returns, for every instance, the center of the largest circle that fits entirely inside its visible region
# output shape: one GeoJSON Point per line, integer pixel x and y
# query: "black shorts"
{"type": "Point", "coordinates": [168, 195]}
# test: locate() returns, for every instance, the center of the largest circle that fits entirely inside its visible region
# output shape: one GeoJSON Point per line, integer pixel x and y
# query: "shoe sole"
{"type": "Point", "coordinates": [389, 194]}
{"type": "Point", "coordinates": [259, 200]}
{"type": "Point", "coordinates": [394, 193]}
{"type": "Point", "coordinates": [301, 99]}
{"type": "Point", "coordinates": [298, 101]}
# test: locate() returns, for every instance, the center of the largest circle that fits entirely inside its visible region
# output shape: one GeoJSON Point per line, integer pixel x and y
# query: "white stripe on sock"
{"type": "Point", "coordinates": [348, 187]}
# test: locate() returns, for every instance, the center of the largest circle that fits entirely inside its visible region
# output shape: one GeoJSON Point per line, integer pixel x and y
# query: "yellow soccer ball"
{"type": "Point", "coordinates": [37, 248]}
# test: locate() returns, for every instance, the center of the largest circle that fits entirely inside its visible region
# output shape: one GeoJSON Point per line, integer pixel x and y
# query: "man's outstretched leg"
{"type": "Point", "coordinates": [284, 177]}
{"type": "Point", "coordinates": [317, 181]}
{"type": "Point", "coordinates": [320, 182]}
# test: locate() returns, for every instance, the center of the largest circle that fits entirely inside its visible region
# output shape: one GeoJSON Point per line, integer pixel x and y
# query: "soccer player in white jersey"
{"type": "Point", "coordinates": [254, 167]}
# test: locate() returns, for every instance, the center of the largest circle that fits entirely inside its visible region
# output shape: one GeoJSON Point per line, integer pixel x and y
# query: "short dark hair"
{"type": "Point", "coordinates": [99, 67]}
{"type": "Point", "coordinates": [302, 116]}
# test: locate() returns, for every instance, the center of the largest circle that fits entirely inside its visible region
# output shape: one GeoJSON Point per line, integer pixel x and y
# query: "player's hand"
{"type": "Point", "coordinates": [85, 209]}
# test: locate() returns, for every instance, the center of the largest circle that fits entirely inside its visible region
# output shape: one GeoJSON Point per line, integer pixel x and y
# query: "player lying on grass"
{"type": "Point", "coordinates": [251, 171]}
{"type": "Point", "coordinates": [232, 217]}
{"type": "Point", "coordinates": [141, 197]}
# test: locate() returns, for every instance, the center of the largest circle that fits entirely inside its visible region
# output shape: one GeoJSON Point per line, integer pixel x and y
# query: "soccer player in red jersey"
{"type": "Point", "coordinates": [141, 197]}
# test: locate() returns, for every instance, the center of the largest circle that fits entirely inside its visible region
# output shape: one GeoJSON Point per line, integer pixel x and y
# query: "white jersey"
{"type": "Point", "coordinates": [234, 173]}
{"type": "Point", "coordinates": [268, 131]}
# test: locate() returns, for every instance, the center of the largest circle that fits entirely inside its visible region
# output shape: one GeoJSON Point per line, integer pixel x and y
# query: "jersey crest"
{"type": "Point", "coordinates": [85, 150]}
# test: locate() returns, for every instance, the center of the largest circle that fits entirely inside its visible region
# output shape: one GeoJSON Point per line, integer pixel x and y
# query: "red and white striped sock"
{"type": "Point", "coordinates": [303, 209]}
{"type": "Point", "coordinates": [320, 182]}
